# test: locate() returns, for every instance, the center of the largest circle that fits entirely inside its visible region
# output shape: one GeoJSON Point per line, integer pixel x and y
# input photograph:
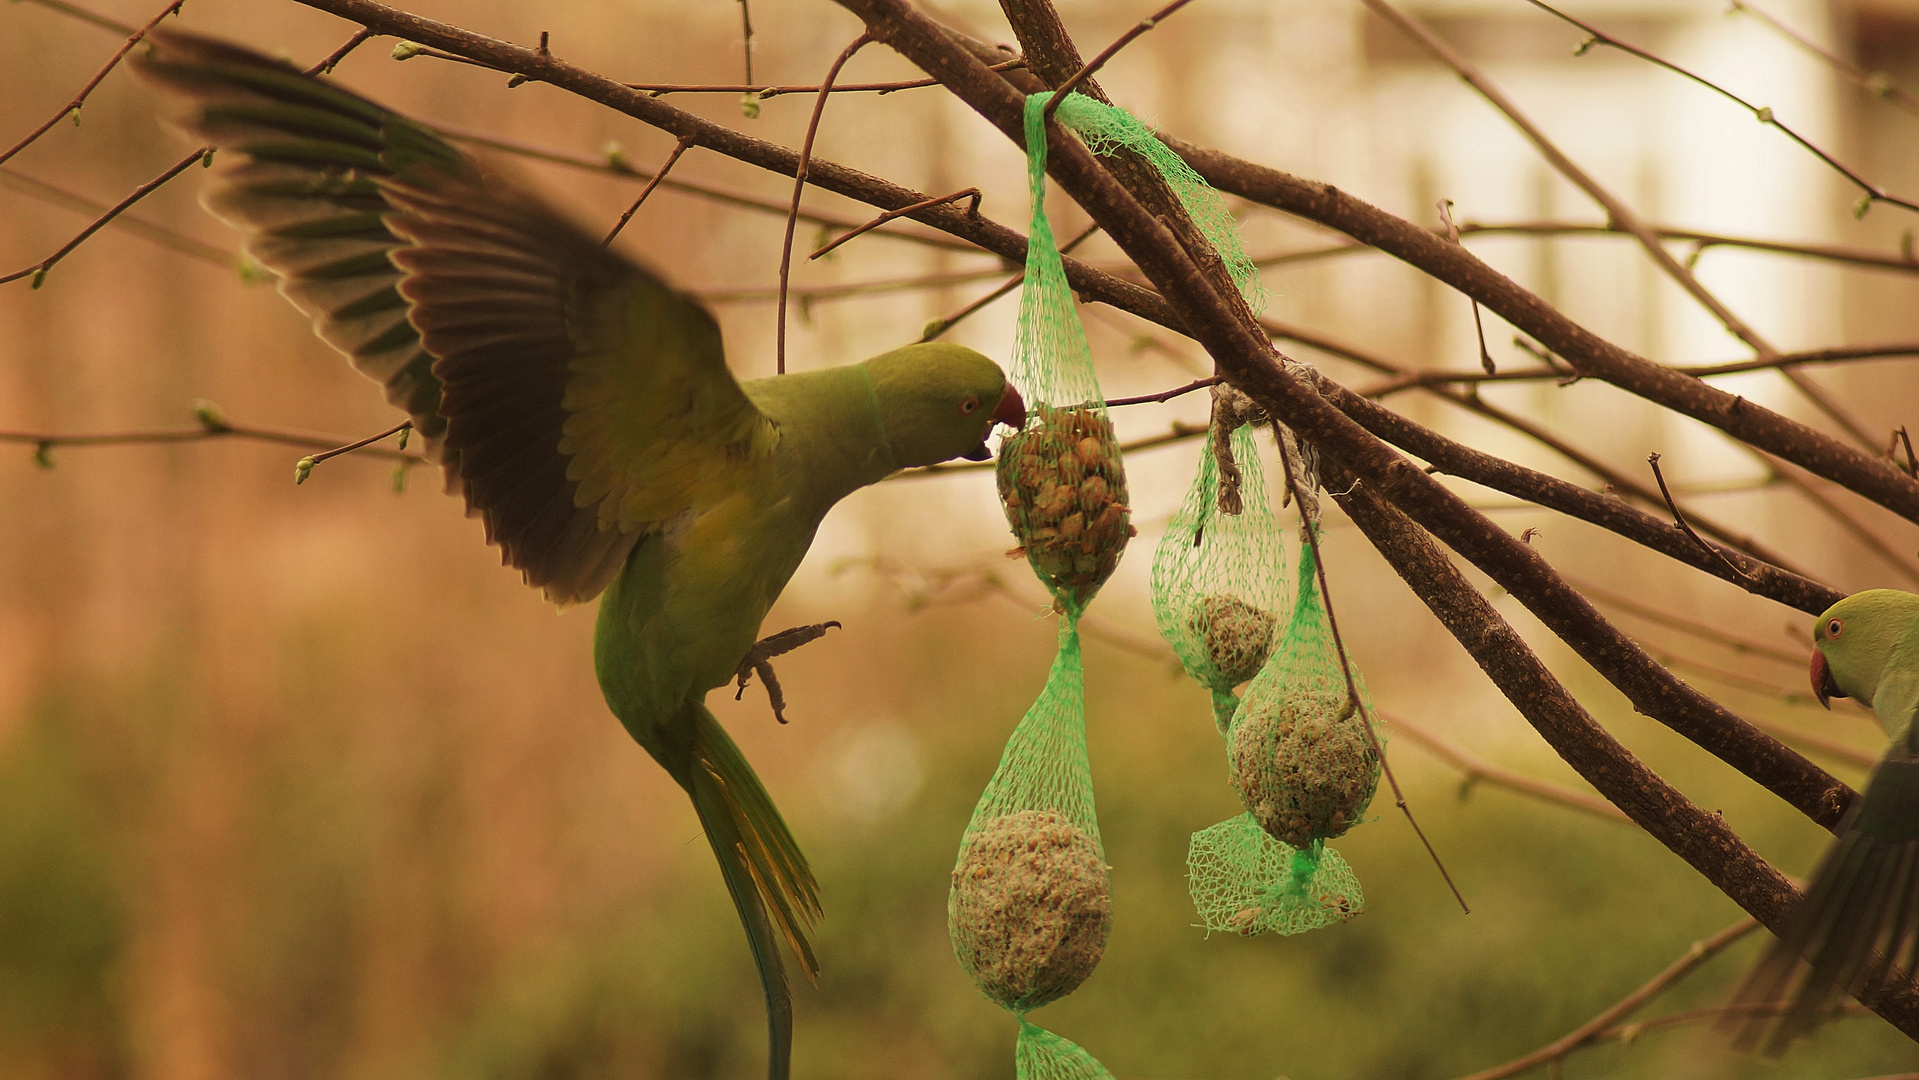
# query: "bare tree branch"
{"type": "Point", "coordinates": [1589, 354]}
{"type": "Point", "coordinates": [1595, 1029]}
{"type": "Point", "coordinates": [1477, 771]}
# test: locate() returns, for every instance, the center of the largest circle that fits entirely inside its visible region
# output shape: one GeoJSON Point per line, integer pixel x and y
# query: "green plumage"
{"type": "Point", "coordinates": [1858, 928]}
{"type": "Point", "coordinates": [584, 411]}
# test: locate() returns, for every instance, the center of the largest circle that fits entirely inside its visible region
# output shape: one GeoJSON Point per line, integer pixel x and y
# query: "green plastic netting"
{"type": "Point", "coordinates": [1105, 128]}
{"type": "Point", "coordinates": [1031, 904]}
{"type": "Point", "coordinates": [1306, 769]}
{"type": "Point", "coordinates": [1219, 574]}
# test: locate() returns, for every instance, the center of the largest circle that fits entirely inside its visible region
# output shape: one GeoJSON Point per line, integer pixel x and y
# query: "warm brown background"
{"type": "Point", "coordinates": [296, 782]}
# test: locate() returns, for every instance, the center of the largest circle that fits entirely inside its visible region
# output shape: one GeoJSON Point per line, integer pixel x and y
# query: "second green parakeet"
{"type": "Point", "coordinates": [585, 412]}
{"type": "Point", "coordinates": [1858, 928]}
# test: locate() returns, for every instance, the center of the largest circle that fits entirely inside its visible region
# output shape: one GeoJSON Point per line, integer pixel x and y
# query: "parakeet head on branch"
{"type": "Point", "coordinates": [940, 402]}
{"type": "Point", "coordinates": [1853, 639]}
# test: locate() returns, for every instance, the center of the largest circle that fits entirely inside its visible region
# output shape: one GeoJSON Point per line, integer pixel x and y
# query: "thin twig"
{"type": "Point", "coordinates": [1613, 478]}
{"type": "Point", "coordinates": [1842, 355]}
{"type": "Point", "coordinates": [58, 196]}
{"type": "Point", "coordinates": [407, 50]}
{"type": "Point", "coordinates": [1479, 326]}
{"type": "Point", "coordinates": [1898, 262]}
{"type": "Point", "coordinates": [1310, 530]}
{"type": "Point", "coordinates": [84, 15]}
{"type": "Point", "coordinates": [850, 289]}
{"type": "Point", "coordinates": [1832, 748]}
{"type": "Point", "coordinates": [1617, 212]}
{"type": "Point", "coordinates": [1692, 627]}
{"type": "Point", "coordinates": [38, 271]}
{"type": "Point", "coordinates": [799, 187]}
{"type": "Point", "coordinates": [613, 162]}
{"type": "Point", "coordinates": [1912, 464]}
{"type": "Point", "coordinates": [1097, 62]}
{"type": "Point", "coordinates": [1877, 83]}
{"type": "Point", "coordinates": [325, 67]}
{"type": "Point", "coordinates": [1762, 113]}
{"type": "Point", "coordinates": [1844, 518]}
{"type": "Point", "coordinates": [1679, 519]}
{"type": "Point", "coordinates": [212, 425]}
{"type": "Point", "coordinates": [953, 586]}
{"type": "Point", "coordinates": [746, 36]}
{"type": "Point", "coordinates": [1597, 1028]}
{"type": "Point", "coordinates": [764, 92]}
{"type": "Point", "coordinates": [72, 108]}
{"type": "Point", "coordinates": [1164, 395]}
{"type": "Point", "coordinates": [1177, 432]}
{"type": "Point", "coordinates": [304, 467]}
{"type": "Point", "coordinates": [972, 210]}
{"type": "Point", "coordinates": [940, 326]}
{"type": "Point", "coordinates": [678, 149]}
{"type": "Point", "coordinates": [1476, 770]}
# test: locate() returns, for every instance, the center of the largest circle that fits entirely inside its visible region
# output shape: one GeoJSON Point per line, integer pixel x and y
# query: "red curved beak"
{"type": "Point", "coordinates": [1011, 410]}
{"type": "Point", "coordinates": [1823, 687]}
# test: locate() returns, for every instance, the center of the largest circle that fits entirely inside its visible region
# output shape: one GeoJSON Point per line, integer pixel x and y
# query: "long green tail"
{"type": "Point", "coordinates": [771, 885]}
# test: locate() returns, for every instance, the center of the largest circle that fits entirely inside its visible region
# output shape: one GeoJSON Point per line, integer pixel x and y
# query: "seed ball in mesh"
{"type": "Point", "coordinates": [1304, 772]}
{"type": "Point", "coordinates": [1238, 636]}
{"type": "Point", "coordinates": [1030, 907]}
{"type": "Point", "coordinates": [1064, 491]}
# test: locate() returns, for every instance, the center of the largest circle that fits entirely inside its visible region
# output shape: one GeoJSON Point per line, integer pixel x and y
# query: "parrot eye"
{"type": "Point", "coordinates": [968, 406]}
{"type": "Point", "coordinates": [1833, 626]}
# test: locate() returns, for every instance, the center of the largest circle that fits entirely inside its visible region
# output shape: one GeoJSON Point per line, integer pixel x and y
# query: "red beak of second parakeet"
{"type": "Point", "coordinates": [1823, 687]}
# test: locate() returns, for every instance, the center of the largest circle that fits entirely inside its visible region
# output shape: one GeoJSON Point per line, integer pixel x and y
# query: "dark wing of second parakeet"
{"type": "Point", "coordinates": [574, 399]}
{"type": "Point", "coordinates": [1858, 927]}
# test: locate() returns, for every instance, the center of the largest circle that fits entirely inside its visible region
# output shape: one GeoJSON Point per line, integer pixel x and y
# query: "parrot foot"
{"type": "Point", "coordinates": [759, 660]}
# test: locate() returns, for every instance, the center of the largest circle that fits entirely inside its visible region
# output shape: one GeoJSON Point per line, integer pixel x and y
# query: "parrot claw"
{"type": "Point", "coordinates": [759, 660]}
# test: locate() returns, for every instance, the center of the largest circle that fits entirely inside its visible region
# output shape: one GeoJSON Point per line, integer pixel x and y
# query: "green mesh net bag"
{"type": "Point", "coordinates": [1306, 768]}
{"type": "Point", "coordinates": [1219, 572]}
{"type": "Point", "coordinates": [1031, 904]}
{"type": "Point", "coordinates": [1105, 129]}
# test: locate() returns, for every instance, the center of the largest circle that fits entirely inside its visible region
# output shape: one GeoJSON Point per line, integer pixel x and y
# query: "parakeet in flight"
{"type": "Point", "coordinates": [585, 412]}
{"type": "Point", "coordinates": [1858, 928]}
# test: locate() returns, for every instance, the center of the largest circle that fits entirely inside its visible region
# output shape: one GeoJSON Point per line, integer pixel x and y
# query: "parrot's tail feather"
{"type": "Point", "coordinates": [1856, 928]}
{"type": "Point", "coordinates": [746, 893]}
{"type": "Point", "coordinates": [774, 854]}
{"type": "Point", "coordinates": [767, 876]}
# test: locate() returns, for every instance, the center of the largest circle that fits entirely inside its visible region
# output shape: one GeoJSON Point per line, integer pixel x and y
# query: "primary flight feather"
{"type": "Point", "coordinates": [584, 411]}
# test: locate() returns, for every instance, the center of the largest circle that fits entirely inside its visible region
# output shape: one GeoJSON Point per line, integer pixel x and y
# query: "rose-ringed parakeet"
{"type": "Point", "coordinates": [585, 412]}
{"type": "Point", "coordinates": [1858, 928]}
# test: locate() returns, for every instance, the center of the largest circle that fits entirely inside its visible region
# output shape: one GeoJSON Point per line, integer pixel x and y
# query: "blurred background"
{"type": "Point", "coordinates": [299, 783]}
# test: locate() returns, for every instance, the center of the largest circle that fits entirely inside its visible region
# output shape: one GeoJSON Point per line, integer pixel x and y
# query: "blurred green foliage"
{"type": "Point", "coordinates": [62, 912]}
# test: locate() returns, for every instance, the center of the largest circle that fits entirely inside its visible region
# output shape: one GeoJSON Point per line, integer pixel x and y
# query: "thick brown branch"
{"type": "Point", "coordinates": [1613, 478]}
{"type": "Point", "coordinates": [1606, 511]}
{"type": "Point", "coordinates": [1246, 358]}
{"type": "Point", "coordinates": [826, 175]}
{"type": "Point", "coordinates": [1588, 353]}
{"type": "Point", "coordinates": [1704, 840]}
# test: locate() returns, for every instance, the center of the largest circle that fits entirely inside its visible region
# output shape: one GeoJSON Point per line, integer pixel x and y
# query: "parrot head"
{"type": "Point", "coordinates": [940, 401]}
{"type": "Point", "coordinates": [1853, 639]}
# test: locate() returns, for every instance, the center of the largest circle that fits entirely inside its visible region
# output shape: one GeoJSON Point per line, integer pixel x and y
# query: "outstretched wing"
{"type": "Point", "coordinates": [574, 399]}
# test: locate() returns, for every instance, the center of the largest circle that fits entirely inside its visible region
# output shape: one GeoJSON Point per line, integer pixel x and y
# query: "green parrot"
{"type": "Point", "coordinates": [585, 412]}
{"type": "Point", "coordinates": [1859, 925]}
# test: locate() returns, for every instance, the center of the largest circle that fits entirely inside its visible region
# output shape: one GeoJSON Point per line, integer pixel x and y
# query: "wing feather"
{"type": "Point", "coordinates": [575, 400]}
